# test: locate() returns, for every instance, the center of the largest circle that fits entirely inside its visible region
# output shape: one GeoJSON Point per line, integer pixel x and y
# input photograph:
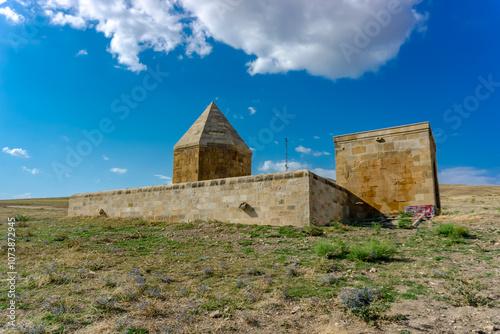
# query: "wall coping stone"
{"type": "Point", "coordinates": [213, 183]}
{"type": "Point", "coordinates": [394, 131]}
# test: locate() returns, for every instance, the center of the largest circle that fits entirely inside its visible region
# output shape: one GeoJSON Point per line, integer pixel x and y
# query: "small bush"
{"type": "Point", "coordinates": [404, 221]}
{"type": "Point", "coordinates": [61, 236]}
{"type": "Point", "coordinates": [33, 328]}
{"type": "Point", "coordinates": [21, 218]}
{"type": "Point", "coordinates": [105, 302]}
{"type": "Point", "coordinates": [373, 250]}
{"type": "Point", "coordinates": [207, 272]}
{"type": "Point", "coordinates": [242, 283]}
{"type": "Point", "coordinates": [313, 231]}
{"type": "Point", "coordinates": [54, 304]}
{"type": "Point", "coordinates": [109, 282]}
{"type": "Point", "coordinates": [292, 272]}
{"type": "Point", "coordinates": [323, 265]}
{"type": "Point", "coordinates": [162, 277]}
{"type": "Point", "coordinates": [340, 226]}
{"type": "Point", "coordinates": [254, 272]}
{"type": "Point", "coordinates": [466, 292]}
{"type": "Point", "coordinates": [453, 231]}
{"type": "Point", "coordinates": [331, 250]}
{"type": "Point", "coordinates": [51, 274]}
{"type": "Point", "coordinates": [329, 280]}
{"type": "Point", "coordinates": [363, 303]}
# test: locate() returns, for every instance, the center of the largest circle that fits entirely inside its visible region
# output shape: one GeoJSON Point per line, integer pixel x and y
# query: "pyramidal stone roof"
{"type": "Point", "coordinates": [212, 127]}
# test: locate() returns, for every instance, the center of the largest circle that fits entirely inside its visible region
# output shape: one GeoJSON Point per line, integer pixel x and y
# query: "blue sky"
{"type": "Point", "coordinates": [94, 94]}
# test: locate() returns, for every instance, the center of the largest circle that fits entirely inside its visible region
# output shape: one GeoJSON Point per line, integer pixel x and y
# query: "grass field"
{"type": "Point", "coordinates": [103, 275]}
{"type": "Point", "coordinates": [57, 202]}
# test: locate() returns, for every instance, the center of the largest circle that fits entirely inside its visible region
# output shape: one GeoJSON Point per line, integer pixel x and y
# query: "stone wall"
{"type": "Point", "coordinates": [389, 168]}
{"type": "Point", "coordinates": [218, 162]}
{"type": "Point", "coordinates": [186, 165]}
{"type": "Point", "coordinates": [209, 162]}
{"type": "Point", "coordinates": [296, 198]}
{"type": "Point", "coordinates": [330, 202]}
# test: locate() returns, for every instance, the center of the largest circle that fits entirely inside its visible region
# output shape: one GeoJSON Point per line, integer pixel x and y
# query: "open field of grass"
{"type": "Point", "coordinates": [103, 275]}
{"type": "Point", "coordinates": [56, 202]}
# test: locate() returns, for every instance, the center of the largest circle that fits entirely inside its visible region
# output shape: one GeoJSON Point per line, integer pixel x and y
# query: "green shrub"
{"type": "Point", "coordinates": [313, 231]}
{"type": "Point", "coordinates": [21, 218]}
{"type": "Point", "coordinates": [365, 304]}
{"type": "Point", "coordinates": [373, 250]}
{"type": "Point", "coordinates": [404, 220]}
{"type": "Point", "coordinates": [452, 231]}
{"type": "Point", "coordinates": [331, 250]}
{"type": "Point", "coordinates": [466, 292]}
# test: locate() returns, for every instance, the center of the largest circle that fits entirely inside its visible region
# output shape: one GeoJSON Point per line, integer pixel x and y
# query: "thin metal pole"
{"type": "Point", "coordinates": [286, 153]}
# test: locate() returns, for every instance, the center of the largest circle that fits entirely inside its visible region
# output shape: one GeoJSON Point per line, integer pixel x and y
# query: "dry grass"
{"type": "Point", "coordinates": [55, 202]}
{"type": "Point", "coordinates": [466, 190]}
{"type": "Point", "coordinates": [102, 275]}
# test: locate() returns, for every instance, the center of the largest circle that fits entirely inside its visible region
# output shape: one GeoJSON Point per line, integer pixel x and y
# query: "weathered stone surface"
{"type": "Point", "coordinates": [300, 200]}
{"type": "Point", "coordinates": [390, 168]}
{"type": "Point", "coordinates": [211, 149]}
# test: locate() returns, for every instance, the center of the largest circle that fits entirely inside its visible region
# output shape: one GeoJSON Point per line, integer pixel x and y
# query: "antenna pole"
{"type": "Point", "coordinates": [286, 154]}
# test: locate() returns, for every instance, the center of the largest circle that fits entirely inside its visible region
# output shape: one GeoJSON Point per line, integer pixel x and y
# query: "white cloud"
{"type": "Point", "coordinates": [118, 170]}
{"type": "Point", "coordinates": [59, 18]}
{"type": "Point", "coordinates": [10, 15]}
{"type": "Point", "coordinates": [316, 137]}
{"type": "Point", "coordinates": [16, 152]}
{"type": "Point", "coordinates": [25, 195]}
{"type": "Point", "coordinates": [276, 142]}
{"type": "Point", "coordinates": [252, 149]}
{"type": "Point", "coordinates": [163, 177]}
{"type": "Point", "coordinates": [81, 53]}
{"type": "Point", "coordinates": [132, 26]}
{"type": "Point", "coordinates": [466, 175]}
{"type": "Point", "coordinates": [33, 171]}
{"type": "Point", "coordinates": [303, 149]}
{"type": "Point", "coordinates": [2, 1]}
{"type": "Point", "coordinates": [328, 173]}
{"type": "Point", "coordinates": [279, 166]}
{"type": "Point", "coordinates": [318, 154]}
{"type": "Point", "coordinates": [252, 110]}
{"type": "Point", "coordinates": [105, 157]}
{"type": "Point", "coordinates": [287, 35]}
{"type": "Point", "coordinates": [281, 35]}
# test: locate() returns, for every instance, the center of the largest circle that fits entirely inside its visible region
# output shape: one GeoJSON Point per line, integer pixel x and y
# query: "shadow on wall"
{"type": "Point", "coordinates": [248, 209]}
{"type": "Point", "coordinates": [359, 209]}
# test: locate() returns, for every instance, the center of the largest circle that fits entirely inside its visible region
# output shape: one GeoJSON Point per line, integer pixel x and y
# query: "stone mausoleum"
{"type": "Point", "coordinates": [211, 149]}
{"type": "Point", "coordinates": [379, 172]}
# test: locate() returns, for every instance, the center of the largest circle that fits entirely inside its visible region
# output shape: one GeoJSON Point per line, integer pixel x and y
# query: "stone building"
{"type": "Point", "coordinates": [211, 149]}
{"type": "Point", "coordinates": [378, 172]}
{"type": "Point", "coordinates": [390, 168]}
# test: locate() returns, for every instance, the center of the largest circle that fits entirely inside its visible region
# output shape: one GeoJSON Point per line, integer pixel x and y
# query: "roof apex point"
{"type": "Point", "coordinates": [212, 127]}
